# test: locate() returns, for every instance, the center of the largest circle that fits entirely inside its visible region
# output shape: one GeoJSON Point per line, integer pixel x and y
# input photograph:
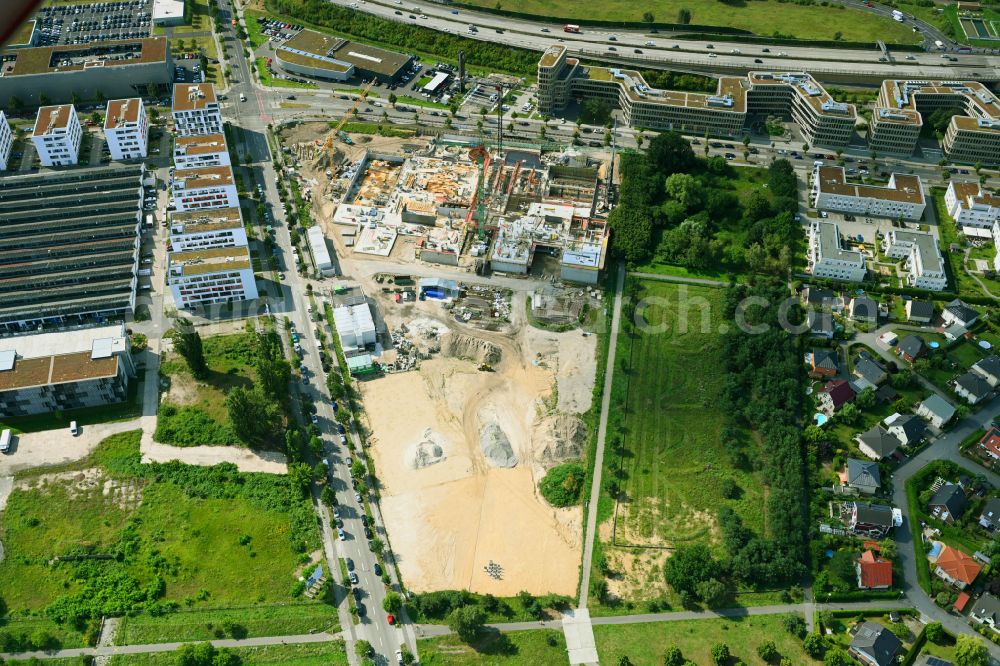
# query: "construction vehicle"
{"type": "Point", "coordinates": [485, 367]}
{"type": "Point", "coordinates": [324, 152]}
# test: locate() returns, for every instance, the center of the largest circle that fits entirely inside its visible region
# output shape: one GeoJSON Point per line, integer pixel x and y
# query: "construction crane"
{"type": "Point", "coordinates": [480, 155]}
{"type": "Point", "coordinates": [324, 152]}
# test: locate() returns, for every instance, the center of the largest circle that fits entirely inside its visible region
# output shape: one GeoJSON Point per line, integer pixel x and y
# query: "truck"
{"type": "Point", "coordinates": [5, 441]}
{"type": "Point", "coordinates": [569, 27]}
{"type": "Point", "coordinates": [939, 44]}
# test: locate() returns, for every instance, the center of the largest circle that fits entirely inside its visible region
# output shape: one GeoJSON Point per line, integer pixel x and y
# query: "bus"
{"type": "Point", "coordinates": [569, 27]}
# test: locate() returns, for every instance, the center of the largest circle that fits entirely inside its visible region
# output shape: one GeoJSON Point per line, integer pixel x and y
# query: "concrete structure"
{"type": "Point", "coordinates": [205, 229]}
{"type": "Point", "coordinates": [972, 206]}
{"type": "Point", "coordinates": [828, 259]}
{"type": "Point", "coordinates": [126, 128]}
{"type": "Point", "coordinates": [168, 12]}
{"type": "Point", "coordinates": [320, 253]}
{"type": "Point", "coordinates": [824, 121]}
{"type": "Point", "coordinates": [924, 263]}
{"type": "Point", "coordinates": [57, 135]}
{"type": "Point", "coordinates": [196, 110]}
{"type": "Point", "coordinates": [898, 118]}
{"type": "Point", "coordinates": [212, 276]}
{"type": "Point", "coordinates": [901, 199]}
{"type": "Point", "coordinates": [6, 141]}
{"type": "Point", "coordinates": [69, 246]}
{"type": "Point", "coordinates": [313, 54]}
{"type": "Point", "coordinates": [117, 69]}
{"type": "Point", "coordinates": [207, 187]}
{"type": "Point", "coordinates": [200, 150]}
{"type": "Point", "coordinates": [355, 326]}
{"type": "Point", "coordinates": [48, 372]}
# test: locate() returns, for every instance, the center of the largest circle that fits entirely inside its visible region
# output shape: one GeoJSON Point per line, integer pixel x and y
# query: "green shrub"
{"type": "Point", "coordinates": [562, 484]}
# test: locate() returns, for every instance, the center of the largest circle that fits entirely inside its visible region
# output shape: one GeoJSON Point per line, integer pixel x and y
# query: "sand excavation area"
{"type": "Point", "coordinates": [461, 451]}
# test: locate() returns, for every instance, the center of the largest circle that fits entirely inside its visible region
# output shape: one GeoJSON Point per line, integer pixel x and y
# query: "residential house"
{"type": "Point", "coordinates": [874, 572]}
{"type": "Point", "coordinates": [972, 388]}
{"type": "Point", "coordinates": [957, 312]}
{"type": "Point", "coordinates": [823, 363]}
{"type": "Point", "coordinates": [990, 442]}
{"type": "Point", "coordinates": [912, 347]}
{"type": "Point", "coordinates": [954, 331]}
{"type": "Point", "coordinates": [886, 394]}
{"type": "Point", "coordinates": [956, 568]}
{"type": "Point", "coordinates": [834, 395]}
{"type": "Point", "coordinates": [987, 611]}
{"type": "Point", "coordinates": [948, 503]}
{"type": "Point", "coordinates": [863, 309]}
{"type": "Point", "coordinates": [871, 520]}
{"type": "Point", "coordinates": [989, 369]}
{"type": "Point", "coordinates": [990, 517]}
{"type": "Point", "coordinates": [875, 645]}
{"type": "Point", "coordinates": [870, 370]}
{"type": "Point", "coordinates": [818, 298]}
{"type": "Point", "coordinates": [919, 312]}
{"type": "Point", "coordinates": [937, 410]}
{"type": "Point", "coordinates": [877, 443]}
{"type": "Point", "coordinates": [863, 476]}
{"type": "Point", "coordinates": [907, 428]}
{"type": "Point", "coordinates": [931, 660]}
{"type": "Point", "coordinates": [821, 325]}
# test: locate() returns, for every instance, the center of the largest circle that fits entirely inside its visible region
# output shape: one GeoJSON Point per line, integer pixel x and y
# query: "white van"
{"type": "Point", "coordinates": [74, 429]}
{"type": "Point", "coordinates": [818, 163]}
{"type": "Point", "coordinates": [5, 441]}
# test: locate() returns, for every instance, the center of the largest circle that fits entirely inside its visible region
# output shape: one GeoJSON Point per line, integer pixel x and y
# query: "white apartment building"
{"type": "Point", "coordinates": [6, 141]}
{"type": "Point", "coordinates": [200, 150]}
{"type": "Point", "coordinates": [207, 187]}
{"type": "Point", "coordinates": [828, 259]}
{"type": "Point", "coordinates": [971, 206]}
{"type": "Point", "coordinates": [205, 229]}
{"type": "Point", "coordinates": [924, 264]}
{"type": "Point", "coordinates": [57, 135]}
{"type": "Point", "coordinates": [196, 110]}
{"type": "Point", "coordinates": [126, 128]}
{"type": "Point", "coordinates": [902, 198]}
{"type": "Point", "coordinates": [213, 276]}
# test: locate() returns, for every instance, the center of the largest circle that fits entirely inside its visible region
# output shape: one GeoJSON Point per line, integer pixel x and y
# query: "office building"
{"type": "Point", "coordinates": [828, 259]}
{"type": "Point", "coordinates": [355, 325]}
{"type": "Point", "coordinates": [196, 110]}
{"type": "Point", "coordinates": [200, 150]}
{"type": "Point", "coordinates": [205, 229]}
{"type": "Point", "coordinates": [924, 264]}
{"type": "Point", "coordinates": [48, 372]}
{"type": "Point", "coordinates": [126, 129]}
{"type": "Point", "coordinates": [209, 277]}
{"type": "Point", "coordinates": [972, 206]}
{"type": "Point", "coordinates": [57, 135]}
{"type": "Point", "coordinates": [901, 199]}
{"type": "Point", "coordinates": [6, 141]}
{"type": "Point", "coordinates": [207, 187]}
{"type": "Point", "coordinates": [318, 56]}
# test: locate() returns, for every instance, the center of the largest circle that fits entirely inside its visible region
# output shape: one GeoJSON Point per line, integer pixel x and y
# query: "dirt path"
{"type": "Point", "coordinates": [57, 447]}
{"type": "Point", "coordinates": [245, 460]}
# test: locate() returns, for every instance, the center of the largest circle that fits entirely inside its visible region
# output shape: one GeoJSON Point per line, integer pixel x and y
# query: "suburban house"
{"type": "Point", "coordinates": [817, 297]}
{"type": "Point", "coordinates": [823, 363]}
{"type": "Point", "coordinates": [863, 476]}
{"type": "Point", "coordinates": [956, 568]}
{"type": "Point", "coordinates": [877, 443]}
{"type": "Point", "coordinates": [987, 611]}
{"type": "Point", "coordinates": [907, 428]}
{"type": "Point", "coordinates": [870, 370]}
{"type": "Point", "coordinates": [989, 369]}
{"type": "Point", "coordinates": [948, 503]}
{"type": "Point", "coordinates": [912, 347]}
{"type": "Point", "coordinates": [990, 517]}
{"type": "Point", "coordinates": [875, 645]}
{"type": "Point", "coordinates": [834, 395]}
{"type": "Point", "coordinates": [874, 572]}
{"type": "Point", "coordinates": [863, 309]}
{"type": "Point", "coordinates": [871, 520]}
{"type": "Point", "coordinates": [920, 312]}
{"type": "Point", "coordinates": [990, 442]}
{"type": "Point", "coordinates": [957, 312]}
{"type": "Point", "coordinates": [972, 388]}
{"type": "Point", "coordinates": [954, 331]}
{"type": "Point", "coordinates": [936, 410]}
{"type": "Point", "coordinates": [931, 660]}
{"type": "Point", "coordinates": [821, 325]}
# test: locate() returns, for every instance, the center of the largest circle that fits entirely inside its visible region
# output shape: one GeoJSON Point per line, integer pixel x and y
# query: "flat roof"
{"type": "Point", "coordinates": [201, 144]}
{"type": "Point", "coordinates": [122, 112]}
{"type": "Point", "coordinates": [36, 365]}
{"type": "Point", "coordinates": [903, 95]}
{"type": "Point", "coordinates": [167, 9]}
{"type": "Point", "coordinates": [926, 244]}
{"type": "Point", "coordinates": [902, 187]}
{"type": "Point", "coordinates": [214, 260]}
{"type": "Point", "coordinates": [22, 35]}
{"type": "Point", "coordinates": [193, 96]}
{"type": "Point", "coordinates": [77, 57]}
{"type": "Point", "coordinates": [60, 369]}
{"type": "Point", "coordinates": [201, 177]}
{"type": "Point", "coordinates": [551, 55]}
{"type": "Point", "coordinates": [729, 97]}
{"type": "Point", "coordinates": [207, 220]}
{"type": "Point", "coordinates": [971, 190]}
{"type": "Point", "coordinates": [51, 118]}
{"type": "Point", "coordinates": [38, 345]}
{"type": "Point", "coordinates": [361, 56]}
{"type": "Point", "coordinates": [829, 244]}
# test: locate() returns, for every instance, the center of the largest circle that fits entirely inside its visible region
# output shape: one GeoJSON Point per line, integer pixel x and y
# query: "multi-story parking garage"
{"type": "Point", "coordinates": [69, 246]}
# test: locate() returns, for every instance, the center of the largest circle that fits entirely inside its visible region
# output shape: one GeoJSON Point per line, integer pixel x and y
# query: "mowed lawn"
{"type": "Point", "coordinates": [674, 460]}
{"type": "Point", "coordinates": [644, 644]}
{"type": "Point", "coordinates": [535, 647]}
{"type": "Point", "coordinates": [309, 654]}
{"type": "Point", "coordinates": [761, 17]}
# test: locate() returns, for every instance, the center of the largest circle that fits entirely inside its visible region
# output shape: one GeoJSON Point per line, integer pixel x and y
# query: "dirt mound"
{"type": "Point", "coordinates": [457, 345]}
{"type": "Point", "coordinates": [559, 438]}
{"type": "Point", "coordinates": [496, 446]}
{"type": "Point", "coordinates": [429, 450]}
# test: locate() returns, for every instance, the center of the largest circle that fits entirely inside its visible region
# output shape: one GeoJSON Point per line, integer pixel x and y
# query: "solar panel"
{"type": "Point", "coordinates": [935, 661]}
{"type": "Point", "coordinates": [7, 360]}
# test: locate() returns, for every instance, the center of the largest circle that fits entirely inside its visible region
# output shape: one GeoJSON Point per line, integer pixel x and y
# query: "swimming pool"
{"type": "Point", "coordinates": [820, 418]}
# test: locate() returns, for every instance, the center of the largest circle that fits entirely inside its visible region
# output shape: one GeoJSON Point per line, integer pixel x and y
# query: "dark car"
{"type": "Point", "coordinates": [758, 61]}
{"type": "Point", "coordinates": [377, 568]}
{"type": "Point", "coordinates": [361, 610]}
{"type": "Point", "coordinates": [368, 532]}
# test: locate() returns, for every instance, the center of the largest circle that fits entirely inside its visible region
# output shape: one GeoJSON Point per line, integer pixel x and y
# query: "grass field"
{"type": "Point", "coordinates": [674, 459]}
{"type": "Point", "coordinates": [313, 654]}
{"type": "Point", "coordinates": [644, 644]}
{"type": "Point", "coordinates": [530, 648]}
{"type": "Point", "coordinates": [762, 17]}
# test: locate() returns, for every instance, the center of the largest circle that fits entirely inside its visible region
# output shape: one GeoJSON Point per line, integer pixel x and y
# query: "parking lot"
{"type": "Point", "coordinates": [94, 22]}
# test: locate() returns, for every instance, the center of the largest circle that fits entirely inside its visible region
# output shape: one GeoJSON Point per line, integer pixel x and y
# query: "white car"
{"type": "Point", "coordinates": [399, 656]}
{"type": "Point", "coordinates": [74, 429]}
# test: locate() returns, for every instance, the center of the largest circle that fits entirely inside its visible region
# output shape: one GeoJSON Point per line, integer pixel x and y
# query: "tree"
{"type": "Point", "coordinates": [255, 417]}
{"type": "Point", "coordinates": [714, 593]}
{"type": "Point", "coordinates": [300, 475]}
{"type": "Point", "coordinates": [686, 189]}
{"type": "Point", "coordinates": [935, 633]}
{"type": "Point", "coordinates": [632, 233]}
{"type": "Point", "coordinates": [392, 602]}
{"type": "Point", "coordinates": [813, 645]}
{"type": "Point", "coordinates": [720, 653]}
{"type": "Point", "coordinates": [205, 654]}
{"type": "Point", "coordinates": [358, 469]}
{"type": "Point", "coordinates": [684, 16]}
{"type": "Point", "coordinates": [669, 153]}
{"type": "Point", "coordinates": [393, 99]}
{"type": "Point", "coordinates": [866, 399]}
{"type": "Point", "coordinates": [849, 414]}
{"type": "Point", "coordinates": [406, 655]}
{"type": "Point", "coordinates": [688, 566]}
{"type": "Point", "coordinates": [624, 661]}
{"type": "Point", "coordinates": [594, 111]}
{"type": "Point", "coordinates": [15, 103]}
{"type": "Point", "coordinates": [768, 651]}
{"type": "Point", "coordinates": [648, 17]}
{"type": "Point", "coordinates": [971, 651]}
{"type": "Point", "coordinates": [837, 657]}
{"type": "Point", "coordinates": [467, 622]}
{"type": "Point", "coordinates": [794, 624]}
{"type": "Point", "coordinates": [187, 343]}
{"type": "Point", "coordinates": [673, 656]}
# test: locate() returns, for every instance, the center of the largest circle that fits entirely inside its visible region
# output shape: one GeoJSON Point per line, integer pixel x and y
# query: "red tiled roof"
{"type": "Point", "coordinates": [875, 571]}
{"type": "Point", "coordinates": [962, 600]}
{"type": "Point", "coordinates": [958, 565]}
{"type": "Point", "coordinates": [991, 441]}
{"type": "Point", "coordinates": [840, 392]}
